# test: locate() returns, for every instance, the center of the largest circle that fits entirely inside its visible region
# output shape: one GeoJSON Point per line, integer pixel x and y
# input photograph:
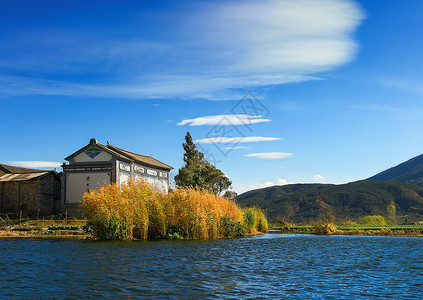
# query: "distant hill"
{"type": "Point", "coordinates": [410, 171]}
{"type": "Point", "coordinates": [309, 202]}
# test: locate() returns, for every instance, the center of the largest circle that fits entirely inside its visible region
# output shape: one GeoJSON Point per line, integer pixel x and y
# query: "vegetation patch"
{"type": "Point", "coordinates": [136, 211]}
{"type": "Point", "coordinates": [373, 220]}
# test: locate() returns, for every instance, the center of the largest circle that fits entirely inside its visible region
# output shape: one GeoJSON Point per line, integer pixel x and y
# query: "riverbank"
{"type": "Point", "coordinates": [74, 229]}
{"type": "Point", "coordinates": [43, 229]}
{"type": "Point", "coordinates": [367, 230]}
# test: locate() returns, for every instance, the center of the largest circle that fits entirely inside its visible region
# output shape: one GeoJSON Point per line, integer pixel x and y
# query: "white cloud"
{"type": "Point", "coordinates": [235, 119]}
{"type": "Point", "coordinates": [36, 164]}
{"type": "Point", "coordinates": [280, 181]}
{"type": "Point", "coordinates": [153, 87]}
{"type": "Point", "coordinates": [236, 140]}
{"type": "Point", "coordinates": [234, 148]}
{"type": "Point", "coordinates": [318, 177]}
{"type": "Point", "coordinates": [270, 155]}
{"type": "Point", "coordinates": [213, 50]}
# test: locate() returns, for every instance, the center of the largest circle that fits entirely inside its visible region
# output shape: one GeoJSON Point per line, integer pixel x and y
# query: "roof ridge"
{"type": "Point", "coordinates": [21, 170]}
{"type": "Point", "coordinates": [130, 151]}
{"type": "Point", "coordinates": [155, 162]}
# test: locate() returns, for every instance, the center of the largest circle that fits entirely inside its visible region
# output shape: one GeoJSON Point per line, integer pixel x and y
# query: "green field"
{"type": "Point", "coordinates": [328, 229]}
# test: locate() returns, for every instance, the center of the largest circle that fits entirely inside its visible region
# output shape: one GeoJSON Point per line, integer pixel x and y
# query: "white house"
{"type": "Point", "coordinates": [96, 164]}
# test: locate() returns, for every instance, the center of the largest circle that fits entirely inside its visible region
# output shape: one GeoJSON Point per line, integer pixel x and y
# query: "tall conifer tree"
{"type": "Point", "coordinates": [198, 172]}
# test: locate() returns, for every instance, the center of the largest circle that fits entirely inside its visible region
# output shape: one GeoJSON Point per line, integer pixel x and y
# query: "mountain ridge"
{"type": "Point", "coordinates": [306, 203]}
{"type": "Point", "coordinates": [410, 171]}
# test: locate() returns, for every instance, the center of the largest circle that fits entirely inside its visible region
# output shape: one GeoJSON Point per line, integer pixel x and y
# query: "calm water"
{"type": "Point", "coordinates": [268, 266]}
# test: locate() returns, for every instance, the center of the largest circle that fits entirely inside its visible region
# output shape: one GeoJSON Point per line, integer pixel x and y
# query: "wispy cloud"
{"type": "Point", "coordinates": [280, 181]}
{"type": "Point", "coordinates": [36, 164]}
{"type": "Point", "coordinates": [234, 148]}
{"type": "Point", "coordinates": [236, 140]}
{"type": "Point", "coordinates": [270, 155]}
{"type": "Point", "coordinates": [410, 85]}
{"type": "Point", "coordinates": [212, 51]}
{"type": "Point", "coordinates": [377, 108]}
{"type": "Point", "coordinates": [236, 119]}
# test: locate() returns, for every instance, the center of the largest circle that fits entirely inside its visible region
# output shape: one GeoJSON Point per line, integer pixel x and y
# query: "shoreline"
{"type": "Point", "coordinates": [45, 234]}
{"type": "Point", "coordinates": [354, 230]}
{"type": "Point", "coordinates": [81, 235]}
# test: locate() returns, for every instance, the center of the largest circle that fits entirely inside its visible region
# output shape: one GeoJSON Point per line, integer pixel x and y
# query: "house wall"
{"type": "Point", "coordinates": [50, 189]}
{"type": "Point", "coordinates": [8, 197]}
{"type": "Point", "coordinates": [40, 197]}
{"type": "Point", "coordinates": [19, 196]}
{"type": "Point", "coordinates": [77, 183]}
{"type": "Point", "coordinates": [159, 179]}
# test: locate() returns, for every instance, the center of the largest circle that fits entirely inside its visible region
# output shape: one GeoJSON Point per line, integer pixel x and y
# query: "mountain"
{"type": "Point", "coordinates": [410, 171]}
{"type": "Point", "coordinates": [311, 202]}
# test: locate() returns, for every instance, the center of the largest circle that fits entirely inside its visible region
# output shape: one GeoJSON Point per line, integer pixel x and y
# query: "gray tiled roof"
{"type": "Point", "coordinates": [20, 170]}
{"type": "Point", "coordinates": [124, 155]}
{"type": "Point", "coordinates": [22, 177]}
{"type": "Point", "coordinates": [143, 159]}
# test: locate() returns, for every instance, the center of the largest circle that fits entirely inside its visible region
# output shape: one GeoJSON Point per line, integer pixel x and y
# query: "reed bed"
{"type": "Point", "coordinates": [137, 211]}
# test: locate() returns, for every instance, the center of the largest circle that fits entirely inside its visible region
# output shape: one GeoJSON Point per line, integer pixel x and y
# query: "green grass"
{"type": "Point", "coordinates": [65, 227]}
{"type": "Point", "coordinates": [358, 229]}
{"type": "Point", "coordinates": [379, 227]}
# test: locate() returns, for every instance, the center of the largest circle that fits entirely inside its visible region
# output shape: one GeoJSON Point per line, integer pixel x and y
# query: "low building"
{"type": "Point", "coordinates": [29, 192]}
{"type": "Point", "coordinates": [96, 164]}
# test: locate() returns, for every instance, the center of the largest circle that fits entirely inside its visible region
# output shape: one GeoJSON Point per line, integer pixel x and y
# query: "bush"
{"type": "Point", "coordinates": [137, 211]}
{"type": "Point", "coordinates": [325, 229]}
{"type": "Point", "coordinates": [231, 229]}
{"type": "Point", "coordinates": [254, 220]}
{"type": "Point", "coordinates": [373, 220]}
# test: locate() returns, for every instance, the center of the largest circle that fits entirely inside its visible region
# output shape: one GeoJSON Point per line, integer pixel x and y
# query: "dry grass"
{"type": "Point", "coordinates": [137, 211]}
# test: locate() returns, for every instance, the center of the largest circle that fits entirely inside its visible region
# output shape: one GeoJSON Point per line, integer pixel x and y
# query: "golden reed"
{"type": "Point", "coordinates": [137, 211]}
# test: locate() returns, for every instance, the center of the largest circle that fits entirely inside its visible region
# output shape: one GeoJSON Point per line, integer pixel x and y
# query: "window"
{"type": "Point", "coordinates": [151, 172]}
{"type": "Point", "coordinates": [124, 167]}
{"type": "Point", "coordinates": [138, 169]}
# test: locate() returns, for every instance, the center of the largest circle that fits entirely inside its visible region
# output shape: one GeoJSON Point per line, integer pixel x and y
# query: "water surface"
{"type": "Point", "coordinates": [268, 266]}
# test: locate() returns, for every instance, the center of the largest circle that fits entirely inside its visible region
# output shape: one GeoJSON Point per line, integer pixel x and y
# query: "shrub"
{"type": "Point", "coordinates": [231, 229]}
{"type": "Point", "coordinates": [373, 220]}
{"type": "Point", "coordinates": [325, 229]}
{"type": "Point", "coordinates": [255, 220]}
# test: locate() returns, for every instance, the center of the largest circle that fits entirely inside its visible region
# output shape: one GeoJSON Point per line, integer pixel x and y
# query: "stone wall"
{"type": "Point", "coordinates": [16, 196]}
{"type": "Point", "coordinates": [50, 189]}
{"type": "Point", "coordinates": [40, 197]}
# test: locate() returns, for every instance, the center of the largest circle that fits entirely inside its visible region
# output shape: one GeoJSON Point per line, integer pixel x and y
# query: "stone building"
{"type": "Point", "coordinates": [96, 164]}
{"type": "Point", "coordinates": [29, 192]}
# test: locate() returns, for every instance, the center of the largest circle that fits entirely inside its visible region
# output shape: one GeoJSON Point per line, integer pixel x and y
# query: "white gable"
{"type": "Point", "coordinates": [84, 157]}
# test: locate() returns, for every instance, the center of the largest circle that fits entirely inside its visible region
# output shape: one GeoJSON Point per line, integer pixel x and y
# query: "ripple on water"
{"type": "Point", "coordinates": [273, 265]}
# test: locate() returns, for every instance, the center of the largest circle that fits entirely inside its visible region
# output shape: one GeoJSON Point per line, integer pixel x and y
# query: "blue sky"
{"type": "Point", "coordinates": [274, 92]}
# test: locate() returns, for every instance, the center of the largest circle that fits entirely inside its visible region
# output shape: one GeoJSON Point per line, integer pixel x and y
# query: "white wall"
{"type": "Point", "coordinates": [78, 183]}
{"type": "Point", "coordinates": [160, 184]}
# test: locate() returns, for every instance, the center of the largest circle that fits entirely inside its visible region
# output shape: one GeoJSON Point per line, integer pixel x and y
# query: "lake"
{"type": "Point", "coordinates": [267, 266]}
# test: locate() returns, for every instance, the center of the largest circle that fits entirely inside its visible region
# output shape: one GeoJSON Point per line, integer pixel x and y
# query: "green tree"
{"type": "Point", "coordinates": [230, 195]}
{"type": "Point", "coordinates": [392, 212]}
{"type": "Point", "coordinates": [198, 172]}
